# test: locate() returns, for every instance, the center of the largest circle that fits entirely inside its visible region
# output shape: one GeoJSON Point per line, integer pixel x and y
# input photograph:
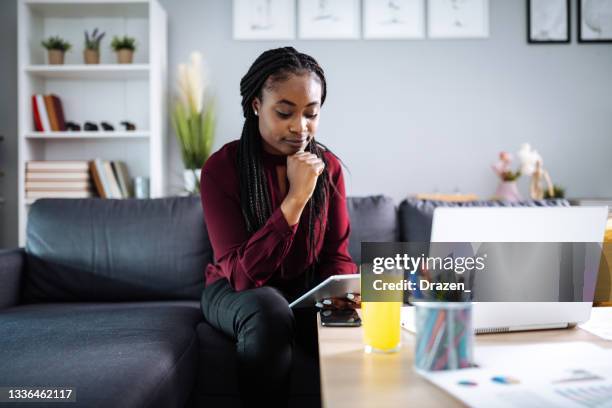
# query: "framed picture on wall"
{"type": "Point", "coordinates": [393, 19]}
{"type": "Point", "coordinates": [595, 21]}
{"type": "Point", "coordinates": [548, 21]}
{"type": "Point", "coordinates": [458, 19]}
{"type": "Point", "coordinates": [329, 19]}
{"type": "Point", "coordinates": [264, 19]}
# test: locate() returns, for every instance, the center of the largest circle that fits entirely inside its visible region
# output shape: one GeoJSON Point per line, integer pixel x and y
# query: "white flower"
{"type": "Point", "coordinates": [529, 157]}
{"type": "Point", "coordinates": [191, 82]}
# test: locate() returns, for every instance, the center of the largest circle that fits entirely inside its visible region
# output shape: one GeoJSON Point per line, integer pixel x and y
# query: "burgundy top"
{"type": "Point", "coordinates": [276, 253]}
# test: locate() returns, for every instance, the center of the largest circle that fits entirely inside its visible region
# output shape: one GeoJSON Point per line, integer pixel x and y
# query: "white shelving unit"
{"type": "Point", "coordinates": [107, 92]}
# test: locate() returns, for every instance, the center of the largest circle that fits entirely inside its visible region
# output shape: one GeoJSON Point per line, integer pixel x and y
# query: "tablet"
{"type": "Point", "coordinates": [334, 286]}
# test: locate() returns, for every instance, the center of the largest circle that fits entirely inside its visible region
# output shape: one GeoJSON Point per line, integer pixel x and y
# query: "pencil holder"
{"type": "Point", "coordinates": [444, 336]}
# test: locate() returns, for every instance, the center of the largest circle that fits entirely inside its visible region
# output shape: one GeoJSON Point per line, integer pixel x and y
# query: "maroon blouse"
{"type": "Point", "coordinates": [277, 253]}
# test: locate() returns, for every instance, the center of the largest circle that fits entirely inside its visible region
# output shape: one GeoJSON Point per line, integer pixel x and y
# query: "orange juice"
{"type": "Point", "coordinates": [381, 326]}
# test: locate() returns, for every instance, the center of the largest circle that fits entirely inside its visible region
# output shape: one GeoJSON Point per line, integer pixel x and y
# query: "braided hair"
{"type": "Point", "coordinates": [276, 65]}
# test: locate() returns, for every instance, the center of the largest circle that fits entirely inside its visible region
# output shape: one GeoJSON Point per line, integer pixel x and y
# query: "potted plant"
{"type": "Point", "coordinates": [91, 54]}
{"type": "Point", "coordinates": [56, 47]}
{"type": "Point", "coordinates": [507, 188]}
{"type": "Point", "coordinates": [124, 47]}
{"type": "Point", "coordinates": [193, 119]}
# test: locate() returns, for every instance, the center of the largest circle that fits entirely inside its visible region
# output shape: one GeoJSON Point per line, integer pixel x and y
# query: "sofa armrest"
{"type": "Point", "coordinates": [12, 265]}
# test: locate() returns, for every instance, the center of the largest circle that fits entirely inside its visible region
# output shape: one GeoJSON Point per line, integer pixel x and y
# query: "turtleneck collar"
{"type": "Point", "coordinates": [273, 159]}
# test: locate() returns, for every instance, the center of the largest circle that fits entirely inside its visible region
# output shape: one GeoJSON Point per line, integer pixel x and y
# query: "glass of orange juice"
{"type": "Point", "coordinates": [381, 326]}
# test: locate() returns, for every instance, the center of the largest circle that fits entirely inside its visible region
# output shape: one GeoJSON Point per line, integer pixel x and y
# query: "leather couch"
{"type": "Point", "coordinates": [105, 298]}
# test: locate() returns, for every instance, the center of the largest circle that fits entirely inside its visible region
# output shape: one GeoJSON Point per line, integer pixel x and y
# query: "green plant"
{"type": "Point", "coordinates": [93, 42]}
{"type": "Point", "coordinates": [558, 192]}
{"type": "Point", "coordinates": [195, 134]}
{"type": "Point", "coordinates": [123, 43]}
{"type": "Point", "coordinates": [56, 43]}
{"type": "Point", "coordinates": [193, 117]}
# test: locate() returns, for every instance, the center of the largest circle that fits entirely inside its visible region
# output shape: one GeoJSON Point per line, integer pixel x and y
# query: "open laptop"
{"type": "Point", "coordinates": [520, 224]}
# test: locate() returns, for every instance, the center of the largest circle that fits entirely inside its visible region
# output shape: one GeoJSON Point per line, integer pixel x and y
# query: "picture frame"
{"type": "Point", "coordinates": [329, 19]}
{"type": "Point", "coordinates": [393, 20]}
{"type": "Point", "coordinates": [263, 19]}
{"type": "Point", "coordinates": [548, 21]}
{"type": "Point", "coordinates": [594, 21]}
{"type": "Point", "coordinates": [458, 19]}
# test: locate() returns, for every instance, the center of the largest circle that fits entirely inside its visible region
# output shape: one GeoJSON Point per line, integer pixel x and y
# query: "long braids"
{"type": "Point", "coordinates": [276, 65]}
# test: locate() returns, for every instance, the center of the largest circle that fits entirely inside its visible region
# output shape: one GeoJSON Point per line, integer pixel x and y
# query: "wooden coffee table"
{"type": "Point", "coordinates": [351, 378]}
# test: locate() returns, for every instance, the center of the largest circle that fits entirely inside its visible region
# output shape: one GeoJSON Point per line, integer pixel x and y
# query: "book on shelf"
{"type": "Point", "coordinates": [115, 192]}
{"type": "Point", "coordinates": [42, 111]}
{"type": "Point", "coordinates": [77, 179]}
{"type": "Point", "coordinates": [59, 194]}
{"type": "Point", "coordinates": [57, 185]}
{"type": "Point", "coordinates": [57, 176]}
{"type": "Point", "coordinates": [111, 178]}
{"type": "Point", "coordinates": [48, 113]}
{"type": "Point", "coordinates": [57, 165]}
{"type": "Point", "coordinates": [57, 179]}
{"type": "Point", "coordinates": [123, 177]}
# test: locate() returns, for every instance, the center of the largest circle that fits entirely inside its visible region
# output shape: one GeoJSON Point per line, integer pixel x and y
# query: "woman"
{"type": "Point", "coordinates": [275, 208]}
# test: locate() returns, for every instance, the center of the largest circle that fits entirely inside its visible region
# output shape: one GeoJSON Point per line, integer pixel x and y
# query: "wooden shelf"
{"type": "Point", "coordinates": [97, 71]}
{"type": "Point", "coordinates": [88, 135]}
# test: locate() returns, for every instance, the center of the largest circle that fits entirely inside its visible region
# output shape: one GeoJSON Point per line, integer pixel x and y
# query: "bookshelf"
{"type": "Point", "coordinates": [107, 91]}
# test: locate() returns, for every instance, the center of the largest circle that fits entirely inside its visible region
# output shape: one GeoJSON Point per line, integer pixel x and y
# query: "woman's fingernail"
{"type": "Point", "coordinates": [319, 305]}
{"type": "Point", "coordinates": [350, 296]}
{"type": "Point", "coordinates": [327, 302]}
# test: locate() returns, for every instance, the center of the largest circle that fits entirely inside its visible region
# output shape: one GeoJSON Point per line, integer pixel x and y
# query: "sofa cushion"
{"type": "Point", "coordinates": [115, 250]}
{"type": "Point", "coordinates": [373, 219]}
{"type": "Point", "coordinates": [114, 354]}
{"type": "Point", "coordinates": [415, 215]}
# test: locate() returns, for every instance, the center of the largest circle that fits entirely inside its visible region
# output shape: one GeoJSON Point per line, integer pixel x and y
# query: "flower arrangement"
{"type": "Point", "coordinates": [532, 165]}
{"type": "Point", "coordinates": [193, 119]}
{"type": "Point", "coordinates": [503, 168]}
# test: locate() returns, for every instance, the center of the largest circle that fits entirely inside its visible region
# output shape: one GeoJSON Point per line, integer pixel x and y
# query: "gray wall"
{"type": "Point", "coordinates": [8, 123]}
{"type": "Point", "coordinates": [421, 116]}
{"type": "Point", "coordinates": [410, 116]}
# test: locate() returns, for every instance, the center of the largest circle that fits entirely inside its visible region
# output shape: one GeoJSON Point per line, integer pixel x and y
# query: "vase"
{"type": "Point", "coordinates": [56, 57]}
{"type": "Point", "coordinates": [191, 179]}
{"type": "Point", "coordinates": [91, 56]}
{"type": "Point", "coordinates": [508, 191]}
{"type": "Point", "coordinates": [125, 56]}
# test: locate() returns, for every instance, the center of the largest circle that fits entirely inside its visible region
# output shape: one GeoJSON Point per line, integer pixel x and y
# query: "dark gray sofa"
{"type": "Point", "coordinates": [105, 298]}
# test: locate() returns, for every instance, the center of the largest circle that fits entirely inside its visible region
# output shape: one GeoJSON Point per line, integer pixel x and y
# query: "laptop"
{"type": "Point", "coordinates": [521, 224]}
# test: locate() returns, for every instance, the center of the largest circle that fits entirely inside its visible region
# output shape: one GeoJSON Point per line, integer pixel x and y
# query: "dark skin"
{"type": "Point", "coordinates": [288, 114]}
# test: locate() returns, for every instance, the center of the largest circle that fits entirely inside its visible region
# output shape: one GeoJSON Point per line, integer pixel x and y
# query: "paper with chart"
{"type": "Point", "coordinates": [573, 374]}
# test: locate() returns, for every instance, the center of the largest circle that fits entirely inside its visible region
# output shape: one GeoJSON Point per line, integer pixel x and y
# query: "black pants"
{"type": "Point", "coordinates": [266, 332]}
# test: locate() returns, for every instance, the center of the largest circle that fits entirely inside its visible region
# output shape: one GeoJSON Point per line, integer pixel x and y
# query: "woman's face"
{"type": "Point", "coordinates": [289, 113]}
